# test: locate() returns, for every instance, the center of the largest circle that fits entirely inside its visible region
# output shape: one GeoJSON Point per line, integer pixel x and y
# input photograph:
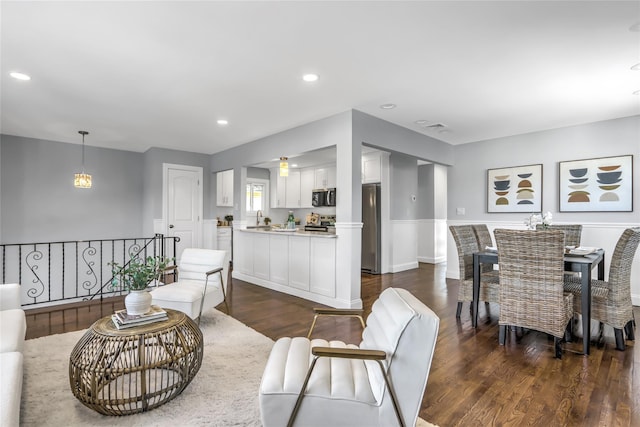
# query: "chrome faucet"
{"type": "Point", "coordinates": [258, 216]}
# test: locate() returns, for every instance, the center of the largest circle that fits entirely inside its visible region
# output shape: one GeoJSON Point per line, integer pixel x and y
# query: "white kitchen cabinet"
{"type": "Point", "coordinates": [285, 191]}
{"type": "Point", "coordinates": [323, 267]}
{"type": "Point", "coordinates": [279, 259]}
{"type": "Point", "coordinates": [260, 249]}
{"type": "Point", "coordinates": [224, 188]}
{"type": "Point", "coordinates": [243, 253]}
{"type": "Point", "coordinates": [292, 192]}
{"type": "Point", "coordinates": [301, 264]}
{"type": "Point", "coordinates": [277, 189]}
{"type": "Point", "coordinates": [307, 185]}
{"type": "Point", "coordinates": [371, 167]}
{"type": "Point", "coordinates": [325, 177]}
{"type": "Point", "coordinates": [299, 261]}
{"type": "Point", "coordinates": [223, 238]}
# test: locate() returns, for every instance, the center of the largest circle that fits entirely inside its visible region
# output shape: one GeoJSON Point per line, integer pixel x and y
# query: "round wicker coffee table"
{"type": "Point", "coordinates": [122, 372]}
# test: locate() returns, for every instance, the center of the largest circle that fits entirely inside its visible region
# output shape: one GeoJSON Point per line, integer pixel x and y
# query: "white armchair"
{"type": "Point", "coordinates": [199, 284]}
{"type": "Point", "coordinates": [379, 383]}
{"type": "Point", "coordinates": [13, 328]}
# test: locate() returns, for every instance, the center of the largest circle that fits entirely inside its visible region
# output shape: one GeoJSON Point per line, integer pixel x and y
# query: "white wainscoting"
{"type": "Point", "coordinates": [432, 240]}
{"type": "Point", "coordinates": [602, 235]}
{"type": "Point", "coordinates": [404, 255]}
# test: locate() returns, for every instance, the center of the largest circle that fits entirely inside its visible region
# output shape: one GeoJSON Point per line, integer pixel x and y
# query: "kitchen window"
{"type": "Point", "coordinates": [257, 196]}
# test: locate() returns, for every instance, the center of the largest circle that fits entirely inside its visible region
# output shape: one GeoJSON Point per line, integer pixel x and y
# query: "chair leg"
{"type": "Point", "coordinates": [558, 348]}
{"type": "Point", "coordinates": [629, 330]}
{"type": "Point", "coordinates": [296, 408]}
{"type": "Point", "coordinates": [568, 333]}
{"type": "Point", "coordinates": [599, 340]}
{"type": "Point", "coordinates": [619, 339]}
{"type": "Point", "coordinates": [502, 335]}
{"type": "Point", "coordinates": [459, 309]}
{"type": "Point", "coordinates": [224, 294]}
{"type": "Point", "coordinates": [394, 398]}
{"type": "Point", "coordinates": [313, 325]}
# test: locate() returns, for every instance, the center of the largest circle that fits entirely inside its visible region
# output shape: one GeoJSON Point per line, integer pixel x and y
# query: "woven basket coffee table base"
{"type": "Point", "coordinates": [123, 372]}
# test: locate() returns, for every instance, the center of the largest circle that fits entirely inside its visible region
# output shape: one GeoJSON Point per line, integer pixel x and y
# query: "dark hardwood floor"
{"type": "Point", "coordinates": [473, 380]}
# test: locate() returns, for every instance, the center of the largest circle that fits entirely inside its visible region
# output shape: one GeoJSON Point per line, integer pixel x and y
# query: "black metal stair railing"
{"type": "Point", "coordinates": [62, 272]}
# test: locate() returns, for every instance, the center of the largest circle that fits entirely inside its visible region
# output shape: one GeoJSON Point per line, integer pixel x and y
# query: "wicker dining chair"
{"type": "Point", "coordinates": [611, 300]}
{"type": "Point", "coordinates": [483, 236]}
{"type": "Point", "coordinates": [572, 232]}
{"type": "Point", "coordinates": [467, 244]}
{"type": "Point", "coordinates": [531, 270]}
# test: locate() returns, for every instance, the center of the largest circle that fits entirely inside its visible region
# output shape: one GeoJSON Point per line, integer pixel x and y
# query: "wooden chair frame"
{"type": "Point", "coordinates": [347, 353]}
{"type": "Point", "coordinates": [357, 313]}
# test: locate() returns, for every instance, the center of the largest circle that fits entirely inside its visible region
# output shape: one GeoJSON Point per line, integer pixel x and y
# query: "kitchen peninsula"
{"type": "Point", "coordinates": [299, 263]}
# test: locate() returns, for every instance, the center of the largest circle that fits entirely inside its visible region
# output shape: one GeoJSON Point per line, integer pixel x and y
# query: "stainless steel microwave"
{"type": "Point", "coordinates": [331, 197]}
{"type": "Point", "coordinates": [319, 198]}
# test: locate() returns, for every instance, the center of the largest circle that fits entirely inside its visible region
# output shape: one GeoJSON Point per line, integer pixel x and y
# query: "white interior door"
{"type": "Point", "coordinates": [183, 205]}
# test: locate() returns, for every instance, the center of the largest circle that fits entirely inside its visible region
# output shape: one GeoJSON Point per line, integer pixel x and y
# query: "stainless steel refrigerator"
{"type": "Point", "coordinates": [371, 228]}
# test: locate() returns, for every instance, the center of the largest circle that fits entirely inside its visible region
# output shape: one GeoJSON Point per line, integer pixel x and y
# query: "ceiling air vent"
{"type": "Point", "coordinates": [436, 126]}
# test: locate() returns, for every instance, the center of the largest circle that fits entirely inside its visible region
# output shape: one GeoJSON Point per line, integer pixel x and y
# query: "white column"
{"type": "Point", "coordinates": [348, 221]}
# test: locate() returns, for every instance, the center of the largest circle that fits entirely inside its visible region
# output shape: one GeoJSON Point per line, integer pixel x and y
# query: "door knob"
{"type": "Point", "coordinates": [170, 225]}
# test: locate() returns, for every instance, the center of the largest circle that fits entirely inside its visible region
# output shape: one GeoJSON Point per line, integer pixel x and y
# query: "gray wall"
{"type": "Point", "coordinates": [426, 192]}
{"type": "Point", "coordinates": [40, 203]}
{"type": "Point", "coordinates": [467, 183]}
{"type": "Point", "coordinates": [153, 161]}
{"type": "Point", "coordinates": [403, 177]}
{"type": "Point", "coordinates": [258, 173]}
{"type": "Point", "coordinates": [390, 137]}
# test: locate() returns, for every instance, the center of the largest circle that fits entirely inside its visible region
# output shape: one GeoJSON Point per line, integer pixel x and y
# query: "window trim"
{"type": "Point", "coordinates": [264, 182]}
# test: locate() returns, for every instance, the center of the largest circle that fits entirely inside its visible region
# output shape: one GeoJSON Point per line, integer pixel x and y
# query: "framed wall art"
{"type": "Point", "coordinates": [515, 189]}
{"type": "Point", "coordinates": [596, 185]}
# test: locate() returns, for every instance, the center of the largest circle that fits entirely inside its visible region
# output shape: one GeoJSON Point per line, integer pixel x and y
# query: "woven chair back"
{"type": "Point", "coordinates": [531, 266]}
{"type": "Point", "coordinates": [483, 236]}
{"type": "Point", "coordinates": [466, 244]}
{"type": "Point", "coordinates": [572, 232]}
{"type": "Point", "coordinates": [621, 263]}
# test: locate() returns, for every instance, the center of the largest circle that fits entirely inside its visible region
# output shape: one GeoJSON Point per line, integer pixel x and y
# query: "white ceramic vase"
{"type": "Point", "coordinates": [137, 302]}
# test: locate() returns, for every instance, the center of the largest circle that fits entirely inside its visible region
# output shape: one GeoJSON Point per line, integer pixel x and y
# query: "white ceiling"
{"type": "Point", "coordinates": [159, 74]}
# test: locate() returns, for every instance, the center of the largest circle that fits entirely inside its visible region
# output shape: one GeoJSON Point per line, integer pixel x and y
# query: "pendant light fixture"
{"type": "Point", "coordinates": [82, 180]}
{"type": "Point", "coordinates": [284, 166]}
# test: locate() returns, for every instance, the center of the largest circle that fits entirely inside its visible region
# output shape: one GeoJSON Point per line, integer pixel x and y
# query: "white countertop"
{"type": "Point", "coordinates": [297, 232]}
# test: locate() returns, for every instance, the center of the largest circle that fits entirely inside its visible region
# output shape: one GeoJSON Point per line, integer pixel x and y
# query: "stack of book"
{"type": "Point", "coordinates": [122, 320]}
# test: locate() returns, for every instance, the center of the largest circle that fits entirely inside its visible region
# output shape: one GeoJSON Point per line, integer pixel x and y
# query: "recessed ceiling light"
{"type": "Point", "coordinates": [293, 165]}
{"type": "Point", "coordinates": [310, 78]}
{"type": "Point", "coordinates": [636, 67]}
{"type": "Point", "coordinates": [20, 76]}
{"type": "Point", "coordinates": [421, 122]}
{"type": "Point", "coordinates": [388, 106]}
{"type": "Point", "coordinates": [223, 122]}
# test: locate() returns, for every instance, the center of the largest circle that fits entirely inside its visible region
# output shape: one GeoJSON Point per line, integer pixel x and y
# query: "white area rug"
{"type": "Point", "coordinates": [223, 393]}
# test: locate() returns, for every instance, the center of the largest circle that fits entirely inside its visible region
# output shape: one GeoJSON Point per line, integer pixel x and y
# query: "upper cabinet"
{"type": "Point", "coordinates": [307, 185]}
{"type": "Point", "coordinates": [224, 188]}
{"type": "Point", "coordinates": [292, 192]}
{"type": "Point", "coordinates": [285, 191]}
{"type": "Point", "coordinates": [371, 167]}
{"type": "Point", "coordinates": [295, 190]}
{"type": "Point", "coordinates": [325, 177]}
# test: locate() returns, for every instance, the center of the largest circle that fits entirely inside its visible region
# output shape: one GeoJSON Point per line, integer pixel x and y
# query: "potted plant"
{"type": "Point", "coordinates": [229, 219]}
{"type": "Point", "coordinates": [135, 277]}
{"type": "Point", "coordinates": [267, 220]}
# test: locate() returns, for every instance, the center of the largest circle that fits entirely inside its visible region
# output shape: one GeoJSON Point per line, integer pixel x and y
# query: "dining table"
{"type": "Point", "coordinates": [583, 264]}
